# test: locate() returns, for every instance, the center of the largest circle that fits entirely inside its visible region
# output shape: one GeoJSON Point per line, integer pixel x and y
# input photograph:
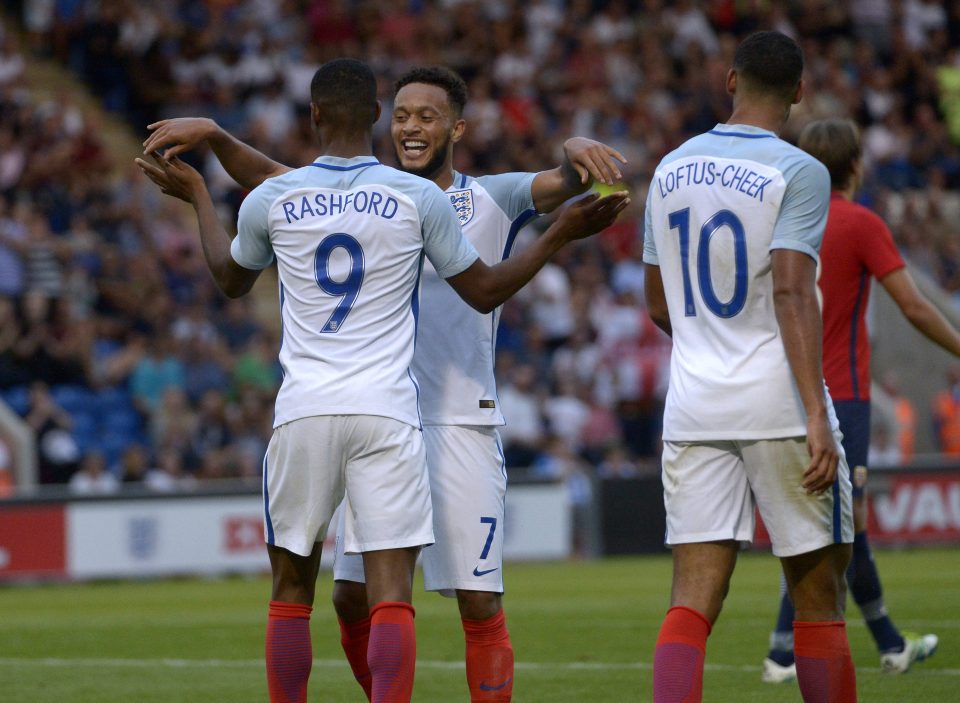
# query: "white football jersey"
{"type": "Point", "coordinates": [349, 237]}
{"type": "Point", "coordinates": [455, 343]}
{"type": "Point", "coordinates": [717, 207]}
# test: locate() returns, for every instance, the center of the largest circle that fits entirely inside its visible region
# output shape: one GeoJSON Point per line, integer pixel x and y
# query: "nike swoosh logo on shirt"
{"type": "Point", "coordinates": [477, 572]}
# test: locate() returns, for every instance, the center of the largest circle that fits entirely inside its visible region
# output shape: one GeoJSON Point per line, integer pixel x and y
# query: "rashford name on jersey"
{"type": "Point", "coordinates": [330, 204]}
{"type": "Point", "coordinates": [706, 172]}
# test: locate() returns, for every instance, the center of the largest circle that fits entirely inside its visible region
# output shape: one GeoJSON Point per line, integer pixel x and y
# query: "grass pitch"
{"type": "Point", "coordinates": [581, 631]}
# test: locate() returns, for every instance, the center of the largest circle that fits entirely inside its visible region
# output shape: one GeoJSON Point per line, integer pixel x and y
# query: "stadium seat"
{"type": "Point", "coordinates": [74, 399]}
{"type": "Point", "coordinates": [114, 399]}
{"type": "Point", "coordinates": [120, 421]}
{"type": "Point", "coordinates": [18, 398]}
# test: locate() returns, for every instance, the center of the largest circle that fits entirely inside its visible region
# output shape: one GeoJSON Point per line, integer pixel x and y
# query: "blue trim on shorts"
{"type": "Point", "coordinates": [837, 515]}
{"type": "Point", "coordinates": [266, 505]}
{"type": "Point", "coordinates": [503, 459]}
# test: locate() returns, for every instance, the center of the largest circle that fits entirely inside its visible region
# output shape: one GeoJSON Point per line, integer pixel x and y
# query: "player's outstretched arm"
{"type": "Point", "coordinates": [798, 315]}
{"type": "Point", "coordinates": [585, 160]}
{"type": "Point", "coordinates": [247, 166]}
{"type": "Point", "coordinates": [920, 311]}
{"type": "Point", "coordinates": [181, 181]}
{"type": "Point", "coordinates": [486, 287]}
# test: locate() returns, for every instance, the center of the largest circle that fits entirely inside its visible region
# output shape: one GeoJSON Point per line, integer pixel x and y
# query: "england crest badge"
{"type": "Point", "coordinates": [462, 201]}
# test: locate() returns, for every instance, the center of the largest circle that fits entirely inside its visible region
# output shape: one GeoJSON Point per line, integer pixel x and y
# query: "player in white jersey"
{"type": "Point", "coordinates": [453, 363]}
{"type": "Point", "coordinates": [734, 221]}
{"type": "Point", "coordinates": [349, 237]}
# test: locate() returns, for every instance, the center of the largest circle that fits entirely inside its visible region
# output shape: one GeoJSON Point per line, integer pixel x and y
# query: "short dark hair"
{"type": "Point", "coordinates": [834, 142]}
{"type": "Point", "coordinates": [442, 77]}
{"type": "Point", "coordinates": [347, 87]}
{"type": "Point", "coordinates": [770, 62]}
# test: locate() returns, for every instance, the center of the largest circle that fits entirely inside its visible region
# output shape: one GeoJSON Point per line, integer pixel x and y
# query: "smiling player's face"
{"type": "Point", "coordinates": [423, 128]}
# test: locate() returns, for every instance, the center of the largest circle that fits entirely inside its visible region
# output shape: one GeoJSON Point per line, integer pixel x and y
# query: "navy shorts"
{"type": "Point", "coordinates": [854, 417]}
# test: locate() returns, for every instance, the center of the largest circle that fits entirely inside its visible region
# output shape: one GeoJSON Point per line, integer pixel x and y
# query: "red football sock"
{"type": "Point", "coordinates": [289, 652]}
{"type": "Point", "coordinates": [678, 659]}
{"type": "Point", "coordinates": [353, 638]}
{"type": "Point", "coordinates": [489, 659]}
{"type": "Point", "coordinates": [824, 667]}
{"type": "Point", "coordinates": [392, 652]}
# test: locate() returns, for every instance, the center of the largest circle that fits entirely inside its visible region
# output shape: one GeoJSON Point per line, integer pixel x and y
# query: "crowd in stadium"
{"type": "Point", "coordinates": [148, 370]}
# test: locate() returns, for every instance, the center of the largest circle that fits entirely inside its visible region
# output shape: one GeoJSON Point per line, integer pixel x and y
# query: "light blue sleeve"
{"type": "Point", "coordinates": [803, 212]}
{"type": "Point", "coordinates": [251, 247]}
{"type": "Point", "coordinates": [443, 241]}
{"type": "Point", "coordinates": [512, 192]}
{"type": "Point", "coordinates": [650, 255]}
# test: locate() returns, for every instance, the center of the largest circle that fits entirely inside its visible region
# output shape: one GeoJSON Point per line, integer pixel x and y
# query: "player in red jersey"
{"type": "Point", "coordinates": [857, 246]}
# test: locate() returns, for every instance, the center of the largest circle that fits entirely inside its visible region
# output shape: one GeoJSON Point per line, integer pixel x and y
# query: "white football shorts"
{"type": "Point", "coordinates": [711, 490]}
{"type": "Point", "coordinates": [468, 482]}
{"type": "Point", "coordinates": [376, 465]}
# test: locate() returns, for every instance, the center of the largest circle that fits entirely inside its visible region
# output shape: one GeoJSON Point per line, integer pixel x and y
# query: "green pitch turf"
{"type": "Point", "coordinates": [581, 631]}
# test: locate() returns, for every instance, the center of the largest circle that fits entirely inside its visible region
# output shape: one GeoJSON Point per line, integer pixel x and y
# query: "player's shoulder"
{"type": "Point", "coordinates": [411, 185]}
{"type": "Point", "coordinates": [271, 190]}
{"type": "Point", "coordinates": [864, 216]}
{"type": "Point", "coordinates": [511, 193]}
{"type": "Point", "coordinates": [792, 155]}
{"type": "Point", "coordinates": [493, 183]}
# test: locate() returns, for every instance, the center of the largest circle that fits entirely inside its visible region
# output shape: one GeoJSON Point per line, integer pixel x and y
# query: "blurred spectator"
{"type": "Point", "coordinates": [12, 371]}
{"type": "Point", "coordinates": [156, 371]}
{"type": "Point", "coordinates": [57, 450]}
{"type": "Point", "coordinates": [903, 432]}
{"type": "Point", "coordinates": [211, 431]}
{"type": "Point", "coordinates": [134, 464]}
{"type": "Point", "coordinates": [237, 325]}
{"type": "Point", "coordinates": [883, 449]}
{"type": "Point", "coordinates": [92, 478]}
{"type": "Point", "coordinates": [558, 463]}
{"type": "Point", "coordinates": [946, 414]}
{"type": "Point", "coordinates": [523, 434]}
{"type": "Point", "coordinates": [566, 413]}
{"type": "Point", "coordinates": [169, 475]}
{"type": "Point", "coordinates": [616, 463]}
{"type": "Point", "coordinates": [257, 366]}
{"type": "Point", "coordinates": [13, 235]}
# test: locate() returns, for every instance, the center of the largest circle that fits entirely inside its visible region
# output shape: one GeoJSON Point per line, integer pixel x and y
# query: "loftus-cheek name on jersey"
{"type": "Point", "coordinates": [711, 173]}
{"type": "Point", "coordinates": [330, 204]}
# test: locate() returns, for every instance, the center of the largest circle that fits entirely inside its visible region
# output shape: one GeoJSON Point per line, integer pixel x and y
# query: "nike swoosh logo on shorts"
{"type": "Point", "coordinates": [477, 572]}
{"type": "Point", "coordinates": [485, 687]}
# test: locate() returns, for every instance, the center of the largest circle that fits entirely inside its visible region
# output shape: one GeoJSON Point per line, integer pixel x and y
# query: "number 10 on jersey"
{"type": "Point", "coordinates": [680, 220]}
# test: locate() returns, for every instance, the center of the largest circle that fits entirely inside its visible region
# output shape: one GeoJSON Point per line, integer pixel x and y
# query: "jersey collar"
{"type": "Point", "coordinates": [745, 131]}
{"type": "Point", "coordinates": [459, 181]}
{"type": "Point", "coordinates": [335, 163]}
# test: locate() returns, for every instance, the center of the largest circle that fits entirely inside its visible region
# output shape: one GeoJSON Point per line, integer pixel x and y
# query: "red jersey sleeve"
{"type": "Point", "coordinates": [879, 254]}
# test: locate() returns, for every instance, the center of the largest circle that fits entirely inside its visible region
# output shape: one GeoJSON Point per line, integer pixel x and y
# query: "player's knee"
{"type": "Point", "coordinates": [290, 587]}
{"type": "Point", "coordinates": [350, 601]}
{"type": "Point", "coordinates": [478, 605]}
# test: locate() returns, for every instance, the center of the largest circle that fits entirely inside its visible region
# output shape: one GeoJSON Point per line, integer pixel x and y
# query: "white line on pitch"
{"type": "Point", "coordinates": [339, 663]}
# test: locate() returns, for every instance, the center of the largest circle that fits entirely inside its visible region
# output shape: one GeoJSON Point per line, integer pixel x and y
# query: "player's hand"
{"type": "Point", "coordinates": [824, 458]}
{"type": "Point", "coordinates": [178, 135]}
{"type": "Point", "coordinates": [174, 177]}
{"type": "Point", "coordinates": [592, 159]}
{"type": "Point", "coordinates": [590, 215]}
